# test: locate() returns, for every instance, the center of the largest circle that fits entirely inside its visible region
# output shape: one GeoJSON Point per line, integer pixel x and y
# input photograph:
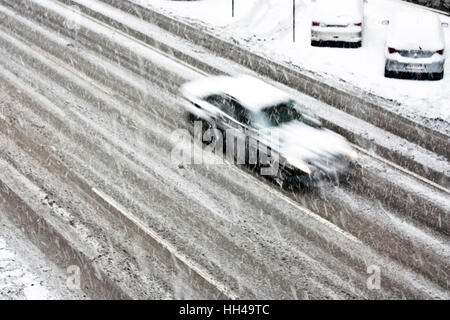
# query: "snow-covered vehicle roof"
{"type": "Point", "coordinates": [413, 30]}
{"type": "Point", "coordinates": [251, 92]}
{"type": "Point", "coordinates": [338, 11]}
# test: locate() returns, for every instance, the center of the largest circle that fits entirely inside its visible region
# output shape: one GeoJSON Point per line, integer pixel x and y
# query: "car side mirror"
{"type": "Point", "coordinates": [444, 25]}
{"type": "Point", "coordinates": [385, 22]}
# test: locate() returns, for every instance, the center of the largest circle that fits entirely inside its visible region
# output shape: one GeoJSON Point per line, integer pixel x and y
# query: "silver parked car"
{"type": "Point", "coordinates": [415, 45]}
{"type": "Point", "coordinates": [337, 21]}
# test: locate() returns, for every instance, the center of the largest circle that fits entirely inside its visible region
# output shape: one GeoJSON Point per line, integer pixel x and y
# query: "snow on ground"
{"type": "Point", "coordinates": [266, 27]}
{"type": "Point", "coordinates": [25, 273]}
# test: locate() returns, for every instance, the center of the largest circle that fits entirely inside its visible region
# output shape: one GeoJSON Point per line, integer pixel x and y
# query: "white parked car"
{"type": "Point", "coordinates": [415, 45]}
{"type": "Point", "coordinates": [337, 21]}
{"type": "Point", "coordinates": [254, 110]}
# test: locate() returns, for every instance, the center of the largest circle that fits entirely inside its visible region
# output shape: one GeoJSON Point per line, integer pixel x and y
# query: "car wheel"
{"type": "Point", "coordinates": [199, 134]}
{"type": "Point", "coordinates": [216, 135]}
{"type": "Point", "coordinates": [280, 179]}
{"type": "Point", "coordinates": [387, 73]}
{"type": "Point", "coordinates": [437, 75]}
{"type": "Point", "coordinates": [190, 117]}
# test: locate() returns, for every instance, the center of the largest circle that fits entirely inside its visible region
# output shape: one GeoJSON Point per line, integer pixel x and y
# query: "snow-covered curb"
{"type": "Point", "coordinates": [26, 273]}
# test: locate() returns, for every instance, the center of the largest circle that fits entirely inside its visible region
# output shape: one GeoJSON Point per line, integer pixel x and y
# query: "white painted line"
{"type": "Point", "coordinates": [404, 170]}
{"type": "Point", "coordinates": [179, 255]}
{"type": "Point", "coordinates": [72, 70]}
{"type": "Point", "coordinates": [310, 213]}
{"type": "Point", "coordinates": [134, 39]}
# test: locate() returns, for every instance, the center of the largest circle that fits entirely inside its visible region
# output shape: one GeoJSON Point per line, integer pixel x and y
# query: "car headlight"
{"type": "Point", "coordinates": [299, 164]}
{"type": "Point", "coordinates": [349, 153]}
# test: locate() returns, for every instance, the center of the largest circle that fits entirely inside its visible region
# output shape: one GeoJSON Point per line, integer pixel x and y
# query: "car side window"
{"type": "Point", "coordinates": [228, 106]}
{"type": "Point", "coordinates": [231, 107]}
{"type": "Point", "coordinates": [222, 102]}
{"type": "Point", "coordinates": [216, 100]}
{"type": "Point", "coordinates": [241, 114]}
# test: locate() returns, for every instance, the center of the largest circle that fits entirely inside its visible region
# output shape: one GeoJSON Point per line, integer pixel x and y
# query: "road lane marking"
{"type": "Point", "coordinates": [144, 44]}
{"type": "Point", "coordinates": [400, 168]}
{"type": "Point", "coordinates": [308, 212]}
{"type": "Point", "coordinates": [166, 245]}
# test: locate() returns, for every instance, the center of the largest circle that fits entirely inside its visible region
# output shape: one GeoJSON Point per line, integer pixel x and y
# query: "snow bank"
{"type": "Point", "coordinates": [332, 11]}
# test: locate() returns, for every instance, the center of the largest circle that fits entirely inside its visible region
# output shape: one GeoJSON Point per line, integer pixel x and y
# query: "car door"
{"type": "Point", "coordinates": [245, 135]}
{"type": "Point", "coordinates": [217, 101]}
{"type": "Point", "coordinates": [234, 121]}
{"type": "Point", "coordinates": [225, 115]}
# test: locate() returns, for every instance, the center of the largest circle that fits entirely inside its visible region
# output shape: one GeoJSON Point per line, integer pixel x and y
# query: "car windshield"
{"type": "Point", "coordinates": [279, 114]}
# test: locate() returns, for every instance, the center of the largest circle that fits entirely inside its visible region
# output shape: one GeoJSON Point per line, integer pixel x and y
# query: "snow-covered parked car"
{"type": "Point", "coordinates": [337, 21]}
{"type": "Point", "coordinates": [305, 152]}
{"type": "Point", "coordinates": [415, 45]}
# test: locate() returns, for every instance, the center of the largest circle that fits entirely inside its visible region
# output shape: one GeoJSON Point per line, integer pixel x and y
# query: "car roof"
{"type": "Point", "coordinates": [253, 93]}
{"type": "Point", "coordinates": [416, 29]}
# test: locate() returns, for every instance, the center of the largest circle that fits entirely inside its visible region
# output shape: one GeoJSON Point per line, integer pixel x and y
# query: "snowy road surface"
{"type": "Point", "coordinates": [86, 127]}
{"type": "Point", "coordinates": [25, 273]}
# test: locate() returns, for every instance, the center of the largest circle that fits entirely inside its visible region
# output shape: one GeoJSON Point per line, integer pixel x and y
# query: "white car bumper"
{"type": "Point", "coordinates": [345, 34]}
{"type": "Point", "coordinates": [398, 63]}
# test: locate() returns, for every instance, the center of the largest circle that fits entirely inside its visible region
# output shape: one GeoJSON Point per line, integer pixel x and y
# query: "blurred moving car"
{"type": "Point", "coordinates": [305, 151]}
{"type": "Point", "coordinates": [415, 45]}
{"type": "Point", "coordinates": [337, 21]}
